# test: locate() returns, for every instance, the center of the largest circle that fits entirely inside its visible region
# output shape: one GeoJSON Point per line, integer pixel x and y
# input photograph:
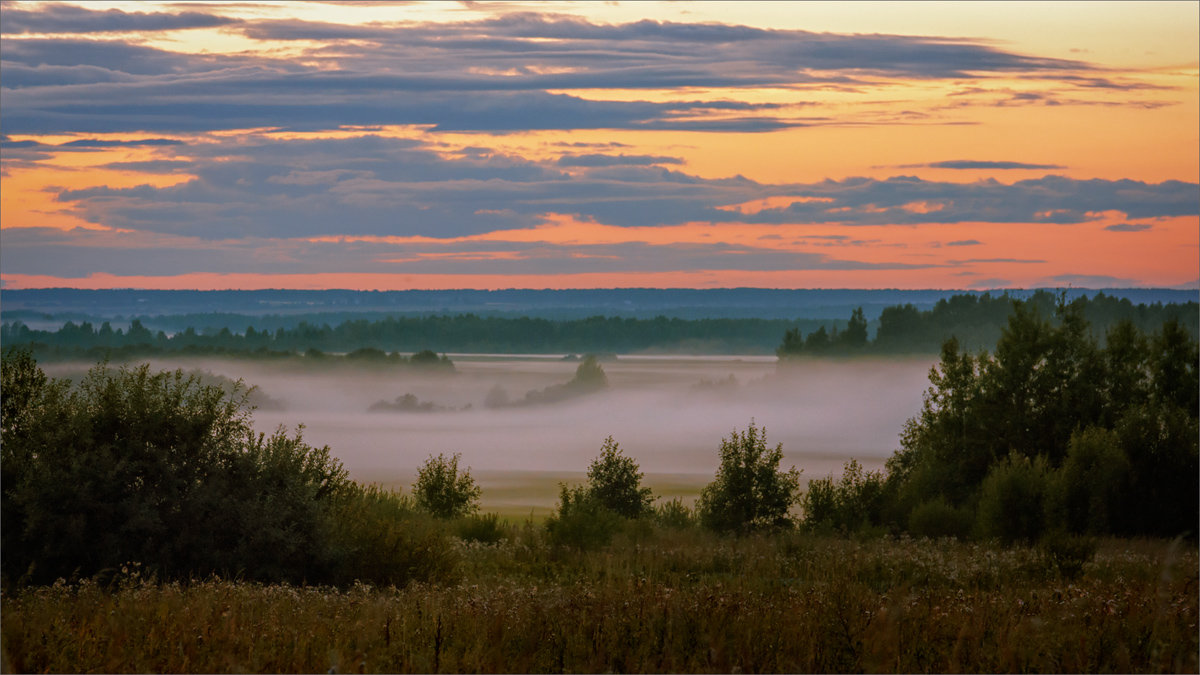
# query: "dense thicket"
{"type": "Point", "coordinates": [132, 466]}
{"type": "Point", "coordinates": [1050, 433]}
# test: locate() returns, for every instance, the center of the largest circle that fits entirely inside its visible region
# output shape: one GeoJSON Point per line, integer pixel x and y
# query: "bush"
{"type": "Point", "coordinates": [156, 468]}
{"type": "Point", "coordinates": [378, 536]}
{"type": "Point", "coordinates": [581, 521]}
{"type": "Point", "coordinates": [615, 481]}
{"type": "Point", "coordinates": [485, 528]}
{"type": "Point", "coordinates": [749, 491]}
{"type": "Point", "coordinates": [1066, 554]}
{"type": "Point", "coordinates": [673, 514]}
{"type": "Point", "coordinates": [443, 491]}
{"type": "Point", "coordinates": [937, 518]}
{"type": "Point", "coordinates": [1088, 490]}
{"type": "Point", "coordinates": [1012, 500]}
{"type": "Point", "coordinates": [849, 505]}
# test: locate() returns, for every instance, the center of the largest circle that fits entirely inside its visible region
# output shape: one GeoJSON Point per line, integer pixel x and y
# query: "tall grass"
{"type": "Point", "coordinates": [677, 600]}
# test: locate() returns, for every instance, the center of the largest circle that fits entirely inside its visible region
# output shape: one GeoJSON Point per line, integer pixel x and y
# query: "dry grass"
{"type": "Point", "coordinates": [654, 601]}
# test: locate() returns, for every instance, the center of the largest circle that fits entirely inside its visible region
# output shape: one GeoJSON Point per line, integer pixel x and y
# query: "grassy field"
{"type": "Point", "coordinates": [655, 600]}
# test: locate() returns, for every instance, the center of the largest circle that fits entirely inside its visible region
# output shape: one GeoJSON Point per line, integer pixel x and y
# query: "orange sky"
{"type": "Point", "coordinates": [302, 145]}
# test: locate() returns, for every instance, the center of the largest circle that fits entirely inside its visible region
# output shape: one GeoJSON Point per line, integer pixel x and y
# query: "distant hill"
{"type": "Point", "coordinates": [291, 306]}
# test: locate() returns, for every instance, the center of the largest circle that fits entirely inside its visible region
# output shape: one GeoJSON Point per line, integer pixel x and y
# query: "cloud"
{"type": "Point", "coordinates": [593, 160]}
{"type": "Point", "coordinates": [965, 242]}
{"type": "Point", "coordinates": [510, 73]}
{"type": "Point", "coordinates": [62, 18]}
{"type": "Point", "coordinates": [102, 143]}
{"type": "Point", "coordinates": [79, 253]}
{"type": "Point", "coordinates": [751, 54]}
{"type": "Point", "coordinates": [911, 200]}
{"type": "Point", "coordinates": [372, 185]}
{"type": "Point", "coordinates": [1088, 281]}
{"type": "Point", "coordinates": [1128, 227]}
{"type": "Point", "coordinates": [1014, 261]}
{"type": "Point", "coordinates": [979, 164]}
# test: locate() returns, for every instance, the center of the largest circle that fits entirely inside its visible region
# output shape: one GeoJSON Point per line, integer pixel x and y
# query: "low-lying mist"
{"type": "Point", "coordinates": [670, 413]}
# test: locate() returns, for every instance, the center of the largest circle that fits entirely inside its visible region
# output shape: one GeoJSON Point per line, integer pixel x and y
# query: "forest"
{"type": "Point", "coordinates": [1040, 514]}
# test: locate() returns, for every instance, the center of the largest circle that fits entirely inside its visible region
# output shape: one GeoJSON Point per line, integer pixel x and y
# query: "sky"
{"type": "Point", "coordinates": [373, 145]}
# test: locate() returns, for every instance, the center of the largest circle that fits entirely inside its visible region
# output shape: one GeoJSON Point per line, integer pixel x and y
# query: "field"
{"type": "Point", "coordinates": [656, 600]}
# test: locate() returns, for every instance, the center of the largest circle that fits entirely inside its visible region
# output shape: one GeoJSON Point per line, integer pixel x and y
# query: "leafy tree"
{"type": "Point", "coordinates": [749, 491]}
{"type": "Point", "coordinates": [443, 491]}
{"type": "Point", "coordinates": [616, 482]}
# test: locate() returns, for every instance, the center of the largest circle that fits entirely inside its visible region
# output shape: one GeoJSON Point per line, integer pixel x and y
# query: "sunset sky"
{"type": "Point", "coordinates": [582, 145]}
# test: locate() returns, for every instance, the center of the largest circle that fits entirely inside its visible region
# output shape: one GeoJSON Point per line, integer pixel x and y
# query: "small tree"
{"type": "Point", "coordinates": [615, 481]}
{"type": "Point", "coordinates": [443, 491]}
{"type": "Point", "coordinates": [749, 491]}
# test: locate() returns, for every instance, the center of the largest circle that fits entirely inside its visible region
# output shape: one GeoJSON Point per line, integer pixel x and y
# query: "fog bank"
{"type": "Point", "coordinates": [670, 413]}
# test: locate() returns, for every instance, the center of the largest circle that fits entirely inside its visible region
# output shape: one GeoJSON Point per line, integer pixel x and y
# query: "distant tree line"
{"type": "Point", "coordinates": [976, 322]}
{"type": "Point", "coordinates": [467, 333]}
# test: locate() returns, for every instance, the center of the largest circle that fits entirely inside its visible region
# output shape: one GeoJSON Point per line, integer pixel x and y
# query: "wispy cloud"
{"type": "Point", "coordinates": [63, 18]}
{"type": "Point", "coordinates": [977, 164]}
{"type": "Point", "coordinates": [386, 186]}
{"type": "Point", "coordinates": [512, 72]}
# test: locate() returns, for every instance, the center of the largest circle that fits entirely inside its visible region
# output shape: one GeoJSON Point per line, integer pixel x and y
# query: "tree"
{"type": "Point", "coordinates": [817, 341]}
{"type": "Point", "coordinates": [855, 335]}
{"type": "Point", "coordinates": [443, 491]}
{"type": "Point", "coordinates": [749, 491]}
{"type": "Point", "coordinates": [615, 481]}
{"type": "Point", "coordinates": [792, 345]}
{"type": "Point", "coordinates": [589, 376]}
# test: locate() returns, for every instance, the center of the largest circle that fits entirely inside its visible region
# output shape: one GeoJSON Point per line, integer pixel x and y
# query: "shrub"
{"type": "Point", "coordinates": [749, 491]}
{"type": "Point", "coordinates": [155, 468]}
{"type": "Point", "coordinates": [1012, 500]}
{"type": "Point", "coordinates": [443, 491]}
{"type": "Point", "coordinates": [937, 518]}
{"type": "Point", "coordinates": [849, 505]}
{"type": "Point", "coordinates": [485, 528]}
{"type": "Point", "coordinates": [1066, 554]}
{"type": "Point", "coordinates": [378, 536]}
{"type": "Point", "coordinates": [674, 514]}
{"type": "Point", "coordinates": [1088, 490]}
{"type": "Point", "coordinates": [615, 481]}
{"type": "Point", "coordinates": [581, 521]}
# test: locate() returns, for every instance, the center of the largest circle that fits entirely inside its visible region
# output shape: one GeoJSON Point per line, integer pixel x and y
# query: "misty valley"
{"type": "Point", "coordinates": [669, 412]}
{"type": "Point", "coordinates": [853, 503]}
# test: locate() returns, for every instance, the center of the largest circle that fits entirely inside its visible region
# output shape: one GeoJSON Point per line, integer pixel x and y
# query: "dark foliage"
{"type": "Point", "coordinates": [1055, 432]}
{"type": "Point", "coordinates": [749, 491]}
{"type": "Point", "coordinates": [162, 470]}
